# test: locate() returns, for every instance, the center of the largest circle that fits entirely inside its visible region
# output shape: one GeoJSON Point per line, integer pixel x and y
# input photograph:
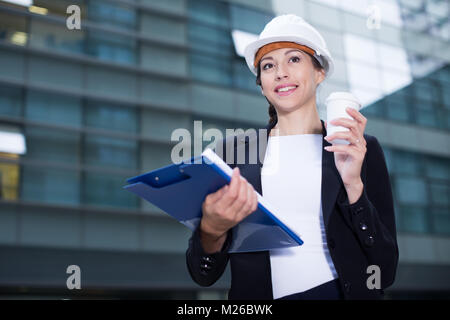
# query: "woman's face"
{"type": "Point", "coordinates": [289, 79]}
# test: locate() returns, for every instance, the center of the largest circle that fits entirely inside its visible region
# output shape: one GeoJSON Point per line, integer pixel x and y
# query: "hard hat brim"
{"type": "Point", "coordinates": [253, 47]}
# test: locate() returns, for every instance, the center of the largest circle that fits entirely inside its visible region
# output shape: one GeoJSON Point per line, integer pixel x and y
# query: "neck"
{"type": "Point", "coordinates": [304, 120]}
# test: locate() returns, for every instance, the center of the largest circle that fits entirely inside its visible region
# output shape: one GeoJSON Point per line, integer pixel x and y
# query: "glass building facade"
{"type": "Point", "coordinates": [98, 105]}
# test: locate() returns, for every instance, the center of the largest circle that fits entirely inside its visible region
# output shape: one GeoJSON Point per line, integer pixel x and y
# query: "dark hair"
{"type": "Point", "coordinates": [272, 112]}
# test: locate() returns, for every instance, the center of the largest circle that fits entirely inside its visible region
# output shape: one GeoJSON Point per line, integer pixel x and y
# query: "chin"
{"type": "Point", "coordinates": [287, 106]}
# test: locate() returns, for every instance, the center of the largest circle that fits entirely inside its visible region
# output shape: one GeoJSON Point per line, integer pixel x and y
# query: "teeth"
{"type": "Point", "coordinates": [286, 89]}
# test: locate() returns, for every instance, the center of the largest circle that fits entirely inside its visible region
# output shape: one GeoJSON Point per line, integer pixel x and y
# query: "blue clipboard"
{"type": "Point", "coordinates": [180, 189]}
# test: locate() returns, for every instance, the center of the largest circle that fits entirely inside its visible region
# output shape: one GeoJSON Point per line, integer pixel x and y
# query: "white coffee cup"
{"type": "Point", "coordinates": [336, 104]}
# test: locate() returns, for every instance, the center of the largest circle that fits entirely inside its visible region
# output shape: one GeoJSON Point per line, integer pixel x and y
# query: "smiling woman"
{"type": "Point", "coordinates": [336, 197]}
{"type": "Point", "coordinates": [295, 56]}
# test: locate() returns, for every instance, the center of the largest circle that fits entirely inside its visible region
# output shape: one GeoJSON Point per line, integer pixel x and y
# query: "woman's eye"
{"type": "Point", "coordinates": [295, 59]}
{"type": "Point", "coordinates": [267, 66]}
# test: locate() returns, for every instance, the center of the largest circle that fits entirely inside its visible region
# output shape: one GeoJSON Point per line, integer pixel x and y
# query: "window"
{"type": "Point", "coordinates": [59, 7]}
{"type": "Point", "coordinates": [107, 190]}
{"type": "Point", "coordinates": [10, 101]}
{"type": "Point", "coordinates": [166, 29]}
{"type": "Point", "coordinates": [53, 108]}
{"type": "Point", "coordinates": [398, 111]}
{"type": "Point", "coordinates": [440, 194]}
{"type": "Point", "coordinates": [242, 76]}
{"type": "Point", "coordinates": [209, 40]}
{"type": "Point", "coordinates": [13, 29]}
{"type": "Point", "coordinates": [413, 219]}
{"type": "Point", "coordinates": [211, 69]}
{"type": "Point", "coordinates": [55, 36]}
{"type": "Point", "coordinates": [248, 19]}
{"type": "Point", "coordinates": [52, 145]}
{"type": "Point", "coordinates": [111, 47]}
{"type": "Point", "coordinates": [441, 221]}
{"type": "Point", "coordinates": [113, 14]}
{"type": "Point", "coordinates": [9, 176]}
{"type": "Point", "coordinates": [209, 12]}
{"type": "Point", "coordinates": [112, 117]}
{"type": "Point", "coordinates": [437, 168]}
{"type": "Point", "coordinates": [164, 60]}
{"type": "Point", "coordinates": [406, 162]}
{"type": "Point", "coordinates": [105, 151]}
{"type": "Point", "coordinates": [411, 190]}
{"type": "Point", "coordinates": [50, 185]}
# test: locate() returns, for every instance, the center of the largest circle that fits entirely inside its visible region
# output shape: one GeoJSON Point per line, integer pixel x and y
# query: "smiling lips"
{"type": "Point", "coordinates": [285, 89]}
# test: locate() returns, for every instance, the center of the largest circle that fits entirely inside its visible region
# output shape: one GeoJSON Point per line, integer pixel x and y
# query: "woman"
{"type": "Point", "coordinates": [338, 198]}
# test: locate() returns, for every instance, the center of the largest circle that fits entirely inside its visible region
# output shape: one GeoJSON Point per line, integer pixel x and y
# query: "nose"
{"type": "Point", "coordinates": [281, 72]}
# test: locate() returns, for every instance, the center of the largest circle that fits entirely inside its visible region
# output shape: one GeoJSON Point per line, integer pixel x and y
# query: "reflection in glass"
{"type": "Point", "coordinates": [50, 185]}
{"type": "Point", "coordinates": [53, 146]}
{"type": "Point", "coordinates": [13, 29]}
{"type": "Point", "coordinates": [9, 176]}
{"type": "Point", "coordinates": [53, 108]}
{"type": "Point", "coordinates": [411, 190]}
{"type": "Point", "coordinates": [111, 47]}
{"type": "Point", "coordinates": [211, 69]}
{"type": "Point", "coordinates": [112, 117]}
{"type": "Point", "coordinates": [414, 219]}
{"type": "Point", "coordinates": [209, 12]}
{"type": "Point", "coordinates": [47, 35]}
{"type": "Point", "coordinates": [107, 190]}
{"type": "Point", "coordinates": [113, 14]}
{"type": "Point", "coordinates": [105, 151]}
{"type": "Point", "coordinates": [10, 101]}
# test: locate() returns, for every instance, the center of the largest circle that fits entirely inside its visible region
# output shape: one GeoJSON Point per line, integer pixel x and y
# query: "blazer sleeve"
{"type": "Point", "coordinates": [205, 269]}
{"type": "Point", "coordinates": [372, 216]}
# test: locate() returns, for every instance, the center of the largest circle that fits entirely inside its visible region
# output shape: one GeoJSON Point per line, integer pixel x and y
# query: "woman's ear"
{"type": "Point", "coordinates": [320, 76]}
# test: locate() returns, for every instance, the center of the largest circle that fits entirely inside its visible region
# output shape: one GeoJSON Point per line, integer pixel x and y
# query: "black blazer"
{"type": "Point", "coordinates": [358, 235]}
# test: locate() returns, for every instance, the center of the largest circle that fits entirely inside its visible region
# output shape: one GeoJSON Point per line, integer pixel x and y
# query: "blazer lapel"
{"type": "Point", "coordinates": [331, 180]}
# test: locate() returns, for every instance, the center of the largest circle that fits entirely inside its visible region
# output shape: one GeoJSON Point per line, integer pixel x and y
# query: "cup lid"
{"type": "Point", "coordinates": [341, 95]}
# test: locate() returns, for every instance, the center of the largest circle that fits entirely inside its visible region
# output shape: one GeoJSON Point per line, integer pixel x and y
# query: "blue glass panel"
{"type": "Point", "coordinates": [441, 221]}
{"type": "Point", "coordinates": [209, 12]}
{"type": "Point", "coordinates": [438, 168]}
{"type": "Point", "coordinates": [248, 20]}
{"type": "Point", "coordinates": [114, 14]}
{"type": "Point", "coordinates": [440, 194]}
{"type": "Point", "coordinates": [243, 78]}
{"type": "Point", "coordinates": [52, 145]}
{"type": "Point", "coordinates": [112, 47]}
{"type": "Point", "coordinates": [10, 101]}
{"type": "Point", "coordinates": [107, 190]}
{"type": "Point", "coordinates": [107, 151]}
{"type": "Point", "coordinates": [406, 162]}
{"type": "Point", "coordinates": [211, 69]}
{"type": "Point", "coordinates": [50, 185]}
{"type": "Point", "coordinates": [107, 116]}
{"type": "Point", "coordinates": [53, 108]}
{"type": "Point", "coordinates": [411, 190]}
{"type": "Point", "coordinates": [414, 219]}
{"type": "Point", "coordinates": [206, 39]}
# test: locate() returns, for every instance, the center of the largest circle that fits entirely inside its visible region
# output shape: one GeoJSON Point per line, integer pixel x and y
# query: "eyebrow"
{"type": "Point", "coordinates": [289, 51]}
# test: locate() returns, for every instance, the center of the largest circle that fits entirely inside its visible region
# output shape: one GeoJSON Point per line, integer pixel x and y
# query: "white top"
{"type": "Point", "coordinates": [291, 180]}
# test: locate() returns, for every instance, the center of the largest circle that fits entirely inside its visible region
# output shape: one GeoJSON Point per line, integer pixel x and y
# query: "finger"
{"type": "Point", "coordinates": [232, 192]}
{"type": "Point", "coordinates": [358, 116]}
{"type": "Point", "coordinates": [244, 210]}
{"type": "Point", "coordinates": [346, 135]}
{"type": "Point", "coordinates": [350, 124]}
{"type": "Point", "coordinates": [215, 196]}
{"type": "Point", "coordinates": [347, 149]}
{"type": "Point", "coordinates": [239, 201]}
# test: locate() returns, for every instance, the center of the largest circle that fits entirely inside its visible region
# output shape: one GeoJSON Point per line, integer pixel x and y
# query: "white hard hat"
{"type": "Point", "coordinates": [291, 28]}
